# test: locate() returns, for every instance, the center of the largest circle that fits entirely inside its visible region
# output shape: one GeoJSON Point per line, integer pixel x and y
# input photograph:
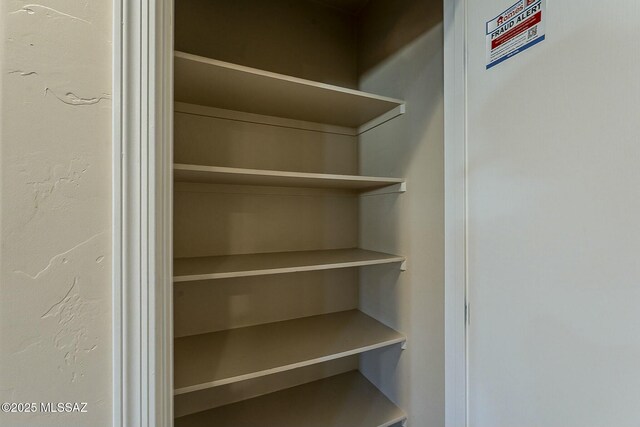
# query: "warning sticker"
{"type": "Point", "coordinates": [515, 30]}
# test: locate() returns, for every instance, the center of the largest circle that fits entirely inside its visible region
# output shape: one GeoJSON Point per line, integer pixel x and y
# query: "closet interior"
{"type": "Point", "coordinates": [294, 302]}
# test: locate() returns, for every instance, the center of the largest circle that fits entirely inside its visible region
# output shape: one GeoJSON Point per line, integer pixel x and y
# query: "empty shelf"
{"type": "Point", "coordinates": [237, 176]}
{"type": "Point", "coordinates": [220, 267]}
{"type": "Point", "coordinates": [204, 81]}
{"type": "Point", "coordinates": [224, 357]}
{"type": "Point", "coordinates": [346, 400]}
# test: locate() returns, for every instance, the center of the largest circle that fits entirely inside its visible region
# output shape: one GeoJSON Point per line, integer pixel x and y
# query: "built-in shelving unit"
{"type": "Point", "coordinates": [304, 326]}
{"type": "Point", "coordinates": [213, 83]}
{"type": "Point", "coordinates": [236, 176]}
{"type": "Point", "coordinates": [224, 357]}
{"type": "Point", "coordinates": [227, 266]}
{"type": "Point", "coordinates": [342, 400]}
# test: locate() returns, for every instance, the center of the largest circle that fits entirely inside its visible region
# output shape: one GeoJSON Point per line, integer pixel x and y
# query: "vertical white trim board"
{"type": "Point", "coordinates": [142, 191]}
{"type": "Point", "coordinates": [455, 213]}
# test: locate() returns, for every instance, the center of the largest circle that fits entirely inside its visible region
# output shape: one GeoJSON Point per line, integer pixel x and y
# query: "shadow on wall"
{"type": "Point", "coordinates": [385, 27]}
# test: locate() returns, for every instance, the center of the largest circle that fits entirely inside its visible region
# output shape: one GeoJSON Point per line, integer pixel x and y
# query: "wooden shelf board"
{"type": "Point", "coordinates": [224, 357]}
{"type": "Point", "coordinates": [345, 400]}
{"type": "Point", "coordinates": [239, 176]}
{"type": "Point", "coordinates": [221, 267]}
{"type": "Point", "coordinates": [213, 83]}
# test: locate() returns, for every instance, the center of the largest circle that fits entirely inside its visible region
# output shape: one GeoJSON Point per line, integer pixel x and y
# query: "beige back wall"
{"type": "Point", "coordinates": [55, 204]}
{"type": "Point", "coordinates": [298, 38]}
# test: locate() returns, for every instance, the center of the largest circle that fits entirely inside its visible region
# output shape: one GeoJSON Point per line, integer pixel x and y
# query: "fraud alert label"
{"type": "Point", "coordinates": [515, 30]}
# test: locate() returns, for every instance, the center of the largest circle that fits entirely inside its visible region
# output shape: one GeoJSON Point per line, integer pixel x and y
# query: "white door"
{"type": "Point", "coordinates": [554, 221]}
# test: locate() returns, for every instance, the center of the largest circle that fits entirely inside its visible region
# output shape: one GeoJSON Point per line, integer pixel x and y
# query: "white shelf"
{"type": "Point", "coordinates": [346, 400]}
{"type": "Point", "coordinates": [221, 267]}
{"type": "Point", "coordinates": [224, 357]}
{"type": "Point", "coordinates": [237, 176]}
{"type": "Point", "coordinates": [205, 81]}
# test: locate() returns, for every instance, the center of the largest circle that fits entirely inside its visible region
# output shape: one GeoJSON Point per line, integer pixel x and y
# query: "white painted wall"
{"type": "Point", "coordinates": [55, 204]}
{"type": "Point", "coordinates": [553, 205]}
{"type": "Point", "coordinates": [408, 34]}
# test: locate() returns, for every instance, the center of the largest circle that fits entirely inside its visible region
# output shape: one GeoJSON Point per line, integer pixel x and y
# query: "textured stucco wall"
{"type": "Point", "coordinates": [55, 208]}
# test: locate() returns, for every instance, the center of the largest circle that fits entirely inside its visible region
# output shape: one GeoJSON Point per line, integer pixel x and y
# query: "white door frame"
{"type": "Point", "coordinates": [142, 205]}
{"type": "Point", "coordinates": [456, 304]}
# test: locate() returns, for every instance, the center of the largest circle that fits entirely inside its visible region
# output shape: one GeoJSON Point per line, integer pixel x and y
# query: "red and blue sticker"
{"type": "Point", "coordinates": [515, 30]}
